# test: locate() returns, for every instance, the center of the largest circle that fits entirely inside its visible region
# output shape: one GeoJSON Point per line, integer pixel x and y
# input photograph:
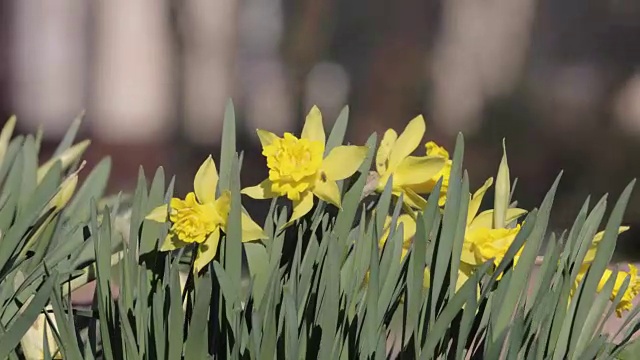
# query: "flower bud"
{"type": "Point", "coordinates": [66, 190]}
{"type": "Point", "coordinates": [502, 191]}
{"type": "Point", "coordinates": [32, 343]}
{"type": "Point", "coordinates": [66, 158]}
{"type": "Point", "coordinates": [5, 136]}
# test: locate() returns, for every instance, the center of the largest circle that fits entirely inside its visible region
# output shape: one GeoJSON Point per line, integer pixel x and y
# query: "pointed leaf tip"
{"type": "Point", "coordinates": [502, 190]}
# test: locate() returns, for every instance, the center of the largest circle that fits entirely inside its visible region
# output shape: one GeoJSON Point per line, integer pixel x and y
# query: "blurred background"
{"type": "Point", "coordinates": [559, 79]}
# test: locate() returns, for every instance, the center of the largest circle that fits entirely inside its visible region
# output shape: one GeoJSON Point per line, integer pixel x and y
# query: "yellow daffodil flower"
{"type": "Point", "coordinates": [299, 170]}
{"type": "Point", "coordinates": [393, 158]}
{"type": "Point", "coordinates": [626, 302]}
{"type": "Point", "coordinates": [200, 217]}
{"type": "Point", "coordinates": [485, 243]}
{"type": "Point", "coordinates": [482, 241]}
{"type": "Point", "coordinates": [434, 149]}
{"type": "Point", "coordinates": [408, 230]}
{"type": "Point", "coordinates": [634, 281]}
{"type": "Point", "coordinates": [591, 253]}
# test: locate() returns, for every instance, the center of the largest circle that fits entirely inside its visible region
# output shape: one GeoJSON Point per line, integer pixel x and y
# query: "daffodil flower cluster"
{"type": "Point", "coordinates": [632, 290]}
{"type": "Point", "coordinates": [298, 170]}
{"type": "Point", "coordinates": [301, 168]}
{"type": "Point", "coordinates": [483, 240]}
{"type": "Point", "coordinates": [415, 176]}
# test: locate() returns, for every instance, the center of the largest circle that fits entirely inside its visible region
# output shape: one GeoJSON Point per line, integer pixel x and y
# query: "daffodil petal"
{"type": "Point", "coordinates": [590, 255]}
{"type": "Point", "coordinates": [313, 128]}
{"type": "Point", "coordinates": [384, 149]}
{"type": "Point", "coordinates": [158, 214]}
{"type": "Point", "coordinates": [593, 248]}
{"type": "Point", "coordinates": [598, 237]}
{"type": "Point", "coordinates": [403, 253]}
{"type": "Point", "coordinates": [464, 273]}
{"type": "Point", "coordinates": [412, 199]}
{"type": "Point", "coordinates": [301, 207]}
{"type": "Point", "coordinates": [432, 148]}
{"type": "Point", "coordinates": [205, 181]}
{"type": "Point", "coordinates": [408, 229]}
{"type": "Point", "coordinates": [485, 218]}
{"type": "Point", "coordinates": [207, 251]}
{"type": "Point", "coordinates": [260, 191]}
{"type": "Point", "coordinates": [426, 280]}
{"type": "Point", "coordinates": [171, 243]}
{"type": "Point", "coordinates": [386, 229]}
{"type": "Point", "coordinates": [343, 161]}
{"type": "Point", "coordinates": [415, 170]}
{"type": "Point", "coordinates": [407, 142]}
{"type": "Point", "coordinates": [476, 200]}
{"type": "Point", "coordinates": [467, 256]}
{"type": "Point", "coordinates": [222, 206]}
{"type": "Point", "coordinates": [328, 191]}
{"type": "Point", "coordinates": [250, 229]}
{"type": "Point", "coordinates": [266, 137]}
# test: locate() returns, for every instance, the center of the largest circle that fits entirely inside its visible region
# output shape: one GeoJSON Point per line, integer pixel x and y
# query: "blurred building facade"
{"type": "Point", "coordinates": [559, 80]}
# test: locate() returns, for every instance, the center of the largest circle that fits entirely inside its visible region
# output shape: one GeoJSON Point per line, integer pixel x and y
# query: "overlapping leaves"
{"type": "Point", "coordinates": [320, 289]}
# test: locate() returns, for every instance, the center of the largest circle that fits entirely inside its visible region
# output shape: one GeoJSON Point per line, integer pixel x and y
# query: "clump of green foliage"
{"type": "Point", "coordinates": [336, 283]}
